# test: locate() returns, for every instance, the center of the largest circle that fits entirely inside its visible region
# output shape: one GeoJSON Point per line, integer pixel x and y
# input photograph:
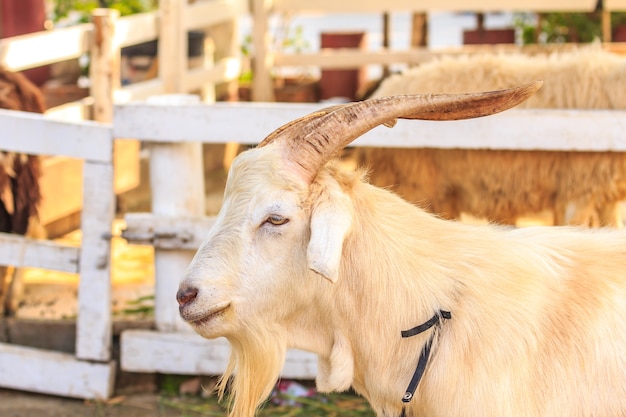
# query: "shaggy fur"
{"type": "Point", "coordinates": [20, 196]}
{"type": "Point", "coordinates": [538, 323]}
{"type": "Point", "coordinates": [581, 188]}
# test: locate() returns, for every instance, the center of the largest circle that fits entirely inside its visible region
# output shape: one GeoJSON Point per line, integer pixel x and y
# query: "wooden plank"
{"type": "Point", "coordinates": [136, 28]}
{"type": "Point", "coordinates": [80, 139]}
{"type": "Point", "coordinates": [358, 6]}
{"type": "Point", "coordinates": [552, 130]}
{"type": "Point", "coordinates": [177, 184]}
{"type": "Point", "coordinates": [51, 46]}
{"type": "Point", "coordinates": [262, 84]}
{"type": "Point", "coordinates": [188, 353]}
{"type": "Point", "coordinates": [104, 70]}
{"type": "Point", "coordinates": [354, 58]}
{"type": "Point", "coordinates": [220, 122]}
{"type": "Point", "coordinates": [202, 14]}
{"type": "Point", "coordinates": [226, 40]}
{"type": "Point", "coordinates": [55, 373]}
{"type": "Point", "coordinates": [172, 46]}
{"type": "Point", "coordinates": [544, 129]}
{"type": "Point", "coordinates": [227, 69]}
{"type": "Point", "coordinates": [167, 232]}
{"type": "Point", "coordinates": [19, 251]}
{"type": "Point", "coordinates": [104, 65]}
{"type": "Point", "coordinates": [93, 326]}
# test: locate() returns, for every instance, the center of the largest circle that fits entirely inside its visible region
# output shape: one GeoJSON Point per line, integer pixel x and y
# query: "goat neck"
{"type": "Point", "coordinates": [311, 141]}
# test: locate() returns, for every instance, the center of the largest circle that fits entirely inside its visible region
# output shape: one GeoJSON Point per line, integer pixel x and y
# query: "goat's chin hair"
{"type": "Point", "coordinates": [253, 368]}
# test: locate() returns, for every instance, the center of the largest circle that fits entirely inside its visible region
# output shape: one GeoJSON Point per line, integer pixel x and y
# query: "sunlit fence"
{"type": "Point", "coordinates": [87, 149]}
{"type": "Point", "coordinates": [268, 59]}
{"type": "Point", "coordinates": [174, 128]}
{"type": "Point", "coordinates": [103, 41]}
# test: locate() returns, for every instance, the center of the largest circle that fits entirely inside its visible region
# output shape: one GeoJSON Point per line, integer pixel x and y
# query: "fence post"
{"type": "Point", "coordinates": [176, 170]}
{"type": "Point", "coordinates": [104, 74]}
{"type": "Point", "coordinates": [177, 182]}
{"type": "Point", "coordinates": [172, 46]}
{"type": "Point", "coordinates": [93, 326]}
{"type": "Point", "coordinates": [224, 37]}
{"type": "Point", "coordinates": [104, 66]}
{"type": "Point", "coordinates": [262, 85]}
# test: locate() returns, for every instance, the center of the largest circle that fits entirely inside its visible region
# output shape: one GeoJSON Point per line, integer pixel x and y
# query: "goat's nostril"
{"type": "Point", "coordinates": [186, 295]}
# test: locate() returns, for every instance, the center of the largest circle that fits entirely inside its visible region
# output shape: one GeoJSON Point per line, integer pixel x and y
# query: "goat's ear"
{"type": "Point", "coordinates": [331, 219]}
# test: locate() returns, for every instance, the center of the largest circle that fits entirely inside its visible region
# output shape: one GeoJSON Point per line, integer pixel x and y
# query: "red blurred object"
{"type": "Point", "coordinates": [488, 36]}
{"type": "Point", "coordinates": [343, 83]}
{"type": "Point", "coordinates": [19, 17]}
{"type": "Point", "coordinates": [619, 33]}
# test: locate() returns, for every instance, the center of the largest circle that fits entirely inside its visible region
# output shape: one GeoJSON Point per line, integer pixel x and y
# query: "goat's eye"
{"type": "Point", "coordinates": [276, 220]}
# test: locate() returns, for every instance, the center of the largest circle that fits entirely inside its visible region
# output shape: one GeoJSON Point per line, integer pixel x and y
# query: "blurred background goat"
{"type": "Point", "coordinates": [583, 188]}
{"type": "Point", "coordinates": [20, 195]}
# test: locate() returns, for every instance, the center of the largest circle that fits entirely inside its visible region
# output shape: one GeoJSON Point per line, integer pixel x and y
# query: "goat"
{"type": "Point", "coordinates": [582, 188]}
{"type": "Point", "coordinates": [20, 195]}
{"type": "Point", "coordinates": [514, 322]}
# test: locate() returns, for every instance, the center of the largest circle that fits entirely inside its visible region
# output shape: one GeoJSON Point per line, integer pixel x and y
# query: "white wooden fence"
{"type": "Point", "coordinates": [173, 348]}
{"type": "Point", "coordinates": [103, 40]}
{"type": "Point", "coordinates": [177, 226]}
{"type": "Point", "coordinates": [90, 372]}
{"type": "Point", "coordinates": [168, 125]}
{"type": "Point", "coordinates": [267, 59]}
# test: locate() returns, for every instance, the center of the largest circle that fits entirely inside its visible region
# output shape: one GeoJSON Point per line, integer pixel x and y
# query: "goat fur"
{"type": "Point", "coordinates": [20, 195]}
{"type": "Point", "coordinates": [582, 188]}
{"type": "Point", "coordinates": [538, 323]}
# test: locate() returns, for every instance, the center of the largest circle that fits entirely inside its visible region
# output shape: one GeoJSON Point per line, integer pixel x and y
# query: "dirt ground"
{"type": "Point", "coordinates": [286, 403]}
{"type": "Point", "coordinates": [22, 404]}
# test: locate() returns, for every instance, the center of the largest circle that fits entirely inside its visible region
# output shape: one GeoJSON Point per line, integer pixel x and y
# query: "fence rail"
{"type": "Point", "coordinates": [355, 6]}
{"type": "Point", "coordinates": [79, 139]}
{"type": "Point", "coordinates": [516, 129]}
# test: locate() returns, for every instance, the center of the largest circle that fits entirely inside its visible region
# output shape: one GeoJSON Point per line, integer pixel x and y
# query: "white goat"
{"type": "Point", "coordinates": [538, 315]}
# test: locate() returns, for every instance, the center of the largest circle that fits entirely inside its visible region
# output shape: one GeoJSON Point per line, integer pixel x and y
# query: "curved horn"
{"type": "Point", "coordinates": [309, 142]}
{"type": "Point", "coordinates": [297, 124]}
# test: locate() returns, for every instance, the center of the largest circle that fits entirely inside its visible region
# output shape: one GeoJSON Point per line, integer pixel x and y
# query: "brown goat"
{"type": "Point", "coordinates": [20, 195]}
{"type": "Point", "coordinates": [582, 188]}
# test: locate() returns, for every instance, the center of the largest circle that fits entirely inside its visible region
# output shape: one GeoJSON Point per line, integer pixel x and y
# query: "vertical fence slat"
{"type": "Point", "coordinates": [104, 72]}
{"type": "Point", "coordinates": [93, 326]}
{"type": "Point", "coordinates": [262, 89]}
{"type": "Point", "coordinates": [172, 46]}
{"type": "Point", "coordinates": [177, 183]}
{"type": "Point", "coordinates": [176, 174]}
{"type": "Point", "coordinates": [104, 68]}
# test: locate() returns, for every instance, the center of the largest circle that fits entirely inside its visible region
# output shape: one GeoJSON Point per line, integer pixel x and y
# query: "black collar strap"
{"type": "Point", "coordinates": [423, 359]}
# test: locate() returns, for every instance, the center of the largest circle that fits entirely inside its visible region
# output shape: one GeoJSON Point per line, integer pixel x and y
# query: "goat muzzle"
{"type": "Point", "coordinates": [186, 296]}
